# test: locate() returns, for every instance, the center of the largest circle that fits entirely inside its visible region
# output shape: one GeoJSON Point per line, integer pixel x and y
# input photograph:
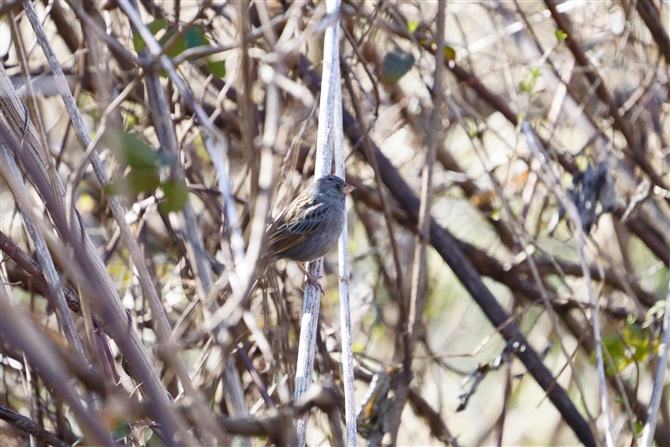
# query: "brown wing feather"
{"type": "Point", "coordinates": [294, 226]}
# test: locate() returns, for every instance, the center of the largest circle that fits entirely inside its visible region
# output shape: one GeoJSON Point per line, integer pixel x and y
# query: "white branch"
{"type": "Point", "coordinates": [330, 138]}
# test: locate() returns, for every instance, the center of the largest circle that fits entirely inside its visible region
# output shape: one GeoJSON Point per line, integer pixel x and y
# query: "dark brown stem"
{"type": "Point", "coordinates": [28, 426]}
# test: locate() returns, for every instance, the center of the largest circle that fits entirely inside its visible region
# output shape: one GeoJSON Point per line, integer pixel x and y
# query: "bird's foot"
{"type": "Point", "coordinates": [313, 281]}
{"type": "Point", "coordinates": [310, 279]}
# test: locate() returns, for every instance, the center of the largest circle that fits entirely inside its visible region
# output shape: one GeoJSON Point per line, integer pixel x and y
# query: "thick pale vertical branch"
{"type": "Point", "coordinates": [330, 90]}
{"type": "Point", "coordinates": [344, 271]}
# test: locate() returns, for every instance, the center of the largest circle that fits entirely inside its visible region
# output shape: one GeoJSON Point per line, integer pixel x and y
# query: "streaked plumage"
{"type": "Point", "coordinates": [311, 224]}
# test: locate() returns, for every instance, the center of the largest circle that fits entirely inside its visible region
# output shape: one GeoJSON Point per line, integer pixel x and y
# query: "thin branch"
{"type": "Point", "coordinates": [26, 425]}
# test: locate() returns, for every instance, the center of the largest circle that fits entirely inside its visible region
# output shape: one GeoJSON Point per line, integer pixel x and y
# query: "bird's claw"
{"type": "Point", "coordinates": [313, 281]}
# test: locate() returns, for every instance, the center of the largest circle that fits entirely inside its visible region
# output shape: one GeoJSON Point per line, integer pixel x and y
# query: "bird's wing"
{"type": "Point", "coordinates": [295, 226]}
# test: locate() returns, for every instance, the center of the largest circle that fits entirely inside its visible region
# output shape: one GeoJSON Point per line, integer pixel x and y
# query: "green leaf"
{"type": "Point", "coordinates": [134, 183]}
{"type": "Point", "coordinates": [359, 347]}
{"type": "Point", "coordinates": [154, 27]}
{"type": "Point", "coordinates": [637, 338]}
{"type": "Point", "coordinates": [157, 25]}
{"type": "Point", "coordinates": [201, 150]}
{"type": "Point", "coordinates": [176, 48]}
{"type": "Point", "coordinates": [561, 35]}
{"type": "Point", "coordinates": [473, 129]}
{"type": "Point", "coordinates": [138, 42]}
{"type": "Point", "coordinates": [495, 214]}
{"type": "Point", "coordinates": [195, 37]}
{"type": "Point", "coordinates": [617, 350]}
{"type": "Point", "coordinates": [530, 80]}
{"type": "Point", "coordinates": [412, 25]}
{"type": "Point", "coordinates": [218, 68]}
{"type": "Point", "coordinates": [395, 65]}
{"type": "Point", "coordinates": [582, 162]}
{"type": "Point", "coordinates": [632, 346]}
{"type": "Point", "coordinates": [121, 429]}
{"type": "Point", "coordinates": [131, 151]}
{"type": "Point", "coordinates": [449, 53]}
{"type": "Point", "coordinates": [136, 153]}
{"type": "Point", "coordinates": [176, 194]}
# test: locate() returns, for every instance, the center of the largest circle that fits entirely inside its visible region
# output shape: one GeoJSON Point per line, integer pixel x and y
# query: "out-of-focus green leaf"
{"type": "Point", "coordinates": [176, 194]}
{"type": "Point", "coordinates": [201, 150]}
{"type": "Point", "coordinates": [218, 68]}
{"type": "Point", "coordinates": [136, 153]}
{"type": "Point", "coordinates": [154, 27]}
{"type": "Point", "coordinates": [395, 65]}
{"type": "Point", "coordinates": [561, 35]}
{"type": "Point", "coordinates": [473, 128]}
{"type": "Point", "coordinates": [449, 53]}
{"type": "Point", "coordinates": [582, 162]}
{"type": "Point", "coordinates": [530, 80]}
{"type": "Point", "coordinates": [637, 338]}
{"type": "Point", "coordinates": [412, 25]}
{"type": "Point", "coordinates": [495, 214]}
{"type": "Point", "coordinates": [134, 183]}
{"type": "Point", "coordinates": [176, 48]}
{"type": "Point", "coordinates": [195, 37]}
{"type": "Point", "coordinates": [120, 428]}
{"type": "Point", "coordinates": [131, 120]}
{"type": "Point", "coordinates": [617, 350]}
{"type": "Point", "coordinates": [131, 150]}
{"type": "Point", "coordinates": [632, 346]}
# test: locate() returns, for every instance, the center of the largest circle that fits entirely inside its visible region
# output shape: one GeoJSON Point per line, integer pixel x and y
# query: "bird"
{"type": "Point", "coordinates": [311, 224]}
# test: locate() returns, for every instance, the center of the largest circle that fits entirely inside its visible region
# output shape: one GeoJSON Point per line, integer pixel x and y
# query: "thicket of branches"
{"type": "Point", "coordinates": [132, 181]}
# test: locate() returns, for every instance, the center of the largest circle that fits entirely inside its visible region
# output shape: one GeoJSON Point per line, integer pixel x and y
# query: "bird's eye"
{"type": "Point", "coordinates": [338, 186]}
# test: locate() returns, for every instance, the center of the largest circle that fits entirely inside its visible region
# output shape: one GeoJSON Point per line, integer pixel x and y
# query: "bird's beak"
{"type": "Point", "coordinates": [348, 189]}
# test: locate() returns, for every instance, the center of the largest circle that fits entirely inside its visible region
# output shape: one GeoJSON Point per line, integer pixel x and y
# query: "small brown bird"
{"type": "Point", "coordinates": [311, 224]}
{"type": "Point", "coordinates": [309, 227]}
